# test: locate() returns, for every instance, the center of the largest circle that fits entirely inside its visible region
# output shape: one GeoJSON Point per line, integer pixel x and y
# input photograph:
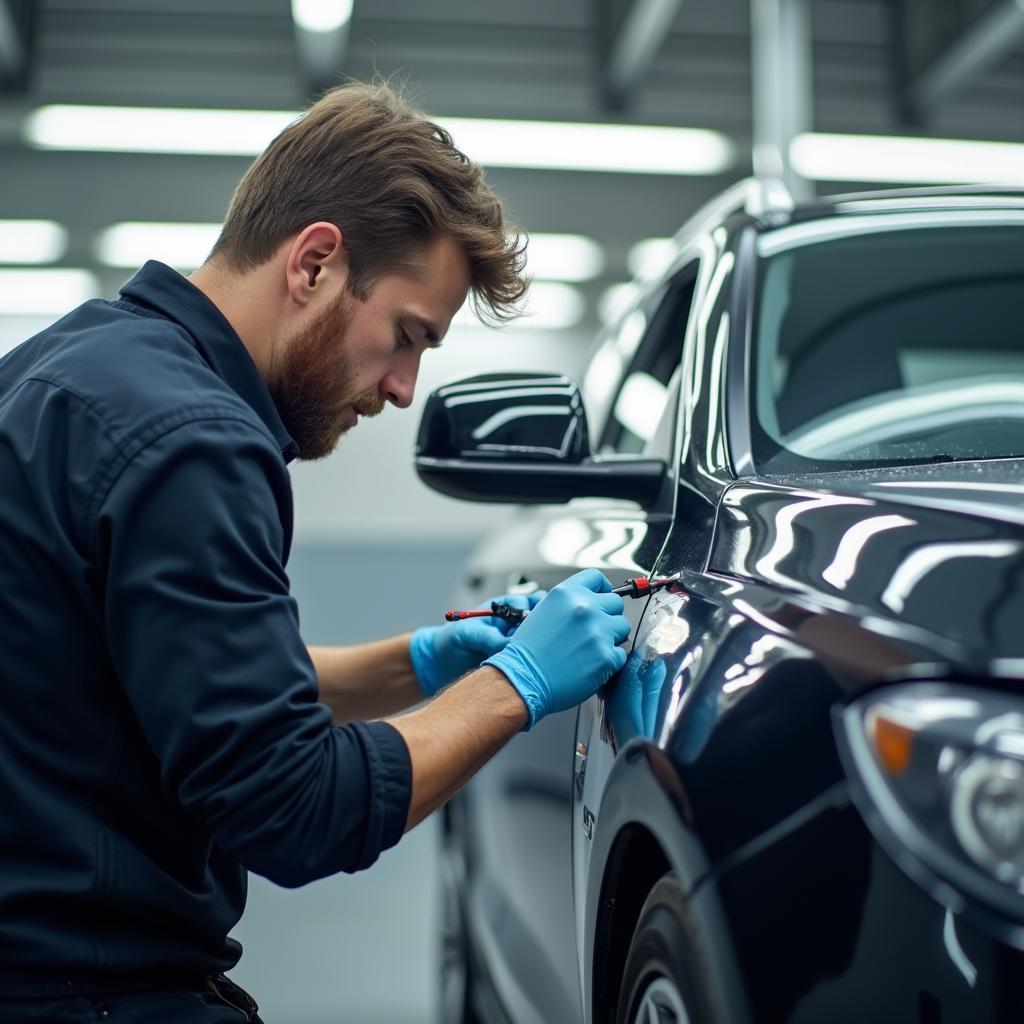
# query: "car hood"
{"type": "Point", "coordinates": [936, 549]}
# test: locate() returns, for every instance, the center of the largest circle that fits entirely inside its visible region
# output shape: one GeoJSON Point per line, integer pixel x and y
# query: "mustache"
{"type": "Point", "coordinates": [370, 405]}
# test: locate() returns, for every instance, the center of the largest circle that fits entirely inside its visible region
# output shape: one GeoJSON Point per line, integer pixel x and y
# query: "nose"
{"type": "Point", "coordinates": [399, 386]}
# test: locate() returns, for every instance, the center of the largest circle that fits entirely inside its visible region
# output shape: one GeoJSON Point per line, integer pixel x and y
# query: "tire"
{"type": "Point", "coordinates": [663, 980]}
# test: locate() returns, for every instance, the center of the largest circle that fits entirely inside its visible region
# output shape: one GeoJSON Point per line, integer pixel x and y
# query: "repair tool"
{"type": "Point", "coordinates": [641, 586]}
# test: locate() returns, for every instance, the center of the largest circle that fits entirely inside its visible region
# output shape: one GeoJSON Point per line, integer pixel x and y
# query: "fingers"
{"type": "Point", "coordinates": [480, 636]}
{"type": "Point", "coordinates": [613, 604]}
{"type": "Point", "coordinates": [592, 579]}
{"type": "Point", "coordinates": [536, 597]}
{"type": "Point", "coordinates": [621, 629]}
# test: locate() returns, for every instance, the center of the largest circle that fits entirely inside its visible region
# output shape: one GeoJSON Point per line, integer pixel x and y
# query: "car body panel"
{"type": "Point", "coordinates": [519, 806]}
{"type": "Point", "coordinates": [795, 596]}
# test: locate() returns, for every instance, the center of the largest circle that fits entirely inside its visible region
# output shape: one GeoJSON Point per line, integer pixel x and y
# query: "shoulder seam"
{"type": "Point", "coordinates": [156, 431]}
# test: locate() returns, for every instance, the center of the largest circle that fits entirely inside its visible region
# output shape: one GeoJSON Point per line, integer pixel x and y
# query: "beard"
{"type": "Point", "coordinates": [313, 389]}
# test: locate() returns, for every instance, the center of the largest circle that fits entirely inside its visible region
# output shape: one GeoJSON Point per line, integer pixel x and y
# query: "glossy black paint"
{"type": "Point", "coordinates": [796, 596]}
{"type": "Point", "coordinates": [532, 416]}
{"type": "Point", "coordinates": [521, 438]}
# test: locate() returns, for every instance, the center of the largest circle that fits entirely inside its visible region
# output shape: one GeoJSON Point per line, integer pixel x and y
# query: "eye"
{"type": "Point", "coordinates": [404, 341]}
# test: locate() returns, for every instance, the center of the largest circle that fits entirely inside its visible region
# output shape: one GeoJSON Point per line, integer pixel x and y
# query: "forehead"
{"type": "Point", "coordinates": [438, 283]}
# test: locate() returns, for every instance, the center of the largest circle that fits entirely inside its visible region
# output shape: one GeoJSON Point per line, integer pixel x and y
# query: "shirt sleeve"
{"type": "Point", "coordinates": [204, 637]}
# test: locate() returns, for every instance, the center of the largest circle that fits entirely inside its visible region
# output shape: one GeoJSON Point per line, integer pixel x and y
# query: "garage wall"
{"type": "Point", "coordinates": [362, 947]}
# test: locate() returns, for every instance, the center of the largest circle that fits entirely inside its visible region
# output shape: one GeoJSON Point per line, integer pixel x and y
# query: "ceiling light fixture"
{"type": "Point", "coordinates": [552, 257]}
{"type": "Point", "coordinates": [45, 292]}
{"type": "Point", "coordinates": [896, 159]}
{"type": "Point", "coordinates": [321, 15]}
{"type": "Point", "coordinates": [557, 145]}
{"type": "Point", "coordinates": [550, 306]}
{"type": "Point", "coordinates": [578, 146]}
{"type": "Point", "coordinates": [155, 129]}
{"type": "Point", "coordinates": [32, 241]}
{"type": "Point", "coordinates": [131, 243]}
{"type": "Point", "coordinates": [648, 258]}
{"type": "Point", "coordinates": [616, 300]}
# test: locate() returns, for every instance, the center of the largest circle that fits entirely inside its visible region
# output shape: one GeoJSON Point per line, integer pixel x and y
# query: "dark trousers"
{"type": "Point", "coordinates": [217, 1001]}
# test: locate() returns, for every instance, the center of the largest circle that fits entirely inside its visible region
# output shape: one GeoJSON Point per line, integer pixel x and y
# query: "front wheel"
{"type": "Point", "coordinates": [662, 982]}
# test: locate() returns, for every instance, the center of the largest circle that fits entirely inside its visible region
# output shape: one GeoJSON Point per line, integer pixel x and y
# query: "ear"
{"type": "Point", "coordinates": [316, 262]}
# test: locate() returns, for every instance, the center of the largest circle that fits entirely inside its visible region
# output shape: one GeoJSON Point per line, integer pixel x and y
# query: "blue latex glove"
{"type": "Point", "coordinates": [632, 699]}
{"type": "Point", "coordinates": [440, 654]}
{"type": "Point", "coordinates": [567, 648]}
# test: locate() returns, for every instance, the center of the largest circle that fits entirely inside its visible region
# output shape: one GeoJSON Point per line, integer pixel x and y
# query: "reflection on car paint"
{"type": "Point", "coordinates": [923, 560]}
{"type": "Point", "coordinates": [784, 543]}
{"type": "Point", "coordinates": [604, 543]}
{"type": "Point", "coordinates": [852, 544]}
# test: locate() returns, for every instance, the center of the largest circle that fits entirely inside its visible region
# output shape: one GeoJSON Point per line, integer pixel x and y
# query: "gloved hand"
{"type": "Point", "coordinates": [632, 699]}
{"type": "Point", "coordinates": [440, 654]}
{"type": "Point", "coordinates": [566, 649]}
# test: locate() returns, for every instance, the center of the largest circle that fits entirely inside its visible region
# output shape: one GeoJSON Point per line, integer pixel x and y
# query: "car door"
{"type": "Point", "coordinates": [520, 804]}
{"type": "Point", "coordinates": [680, 345]}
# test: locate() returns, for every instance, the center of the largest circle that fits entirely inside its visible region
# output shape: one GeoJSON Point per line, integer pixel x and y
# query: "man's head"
{"type": "Point", "coordinates": [369, 228]}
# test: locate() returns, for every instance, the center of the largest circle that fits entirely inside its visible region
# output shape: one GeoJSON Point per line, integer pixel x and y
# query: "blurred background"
{"type": "Point", "coordinates": [125, 125]}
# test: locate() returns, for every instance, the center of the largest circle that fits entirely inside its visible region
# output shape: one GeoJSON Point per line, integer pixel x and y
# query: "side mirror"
{"type": "Point", "coordinates": [521, 438]}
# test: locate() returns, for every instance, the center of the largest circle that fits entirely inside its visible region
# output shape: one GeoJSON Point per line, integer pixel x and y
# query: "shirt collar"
{"type": "Point", "coordinates": [166, 292]}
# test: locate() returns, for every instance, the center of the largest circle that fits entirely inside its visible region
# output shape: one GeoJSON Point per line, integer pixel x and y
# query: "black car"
{"type": "Point", "coordinates": [803, 798]}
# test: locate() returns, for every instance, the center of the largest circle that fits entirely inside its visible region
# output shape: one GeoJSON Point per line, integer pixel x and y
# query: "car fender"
{"type": "Point", "coordinates": [643, 790]}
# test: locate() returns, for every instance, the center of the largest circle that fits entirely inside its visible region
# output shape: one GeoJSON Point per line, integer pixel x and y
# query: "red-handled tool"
{"type": "Point", "coordinates": [641, 586]}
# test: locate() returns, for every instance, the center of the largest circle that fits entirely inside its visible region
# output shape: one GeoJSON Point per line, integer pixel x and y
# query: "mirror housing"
{"type": "Point", "coordinates": [521, 438]}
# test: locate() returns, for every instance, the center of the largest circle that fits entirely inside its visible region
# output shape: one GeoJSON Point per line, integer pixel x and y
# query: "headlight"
{"type": "Point", "coordinates": [938, 772]}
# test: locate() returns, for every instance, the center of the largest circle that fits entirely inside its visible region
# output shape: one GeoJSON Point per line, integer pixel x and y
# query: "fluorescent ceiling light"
{"type": "Point", "coordinates": [647, 259]}
{"type": "Point", "coordinates": [131, 243]}
{"type": "Point", "coordinates": [629, 148]}
{"type": "Point", "coordinates": [564, 257]}
{"type": "Point", "coordinates": [616, 300]}
{"type": "Point", "coordinates": [878, 158]}
{"type": "Point", "coordinates": [321, 15]}
{"type": "Point", "coordinates": [31, 241]}
{"type": "Point", "coordinates": [577, 146]}
{"type": "Point", "coordinates": [45, 292]}
{"type": "Point", "coordinates": [155, 129]}
{"type": "Point", "coordinates": [550, 306]}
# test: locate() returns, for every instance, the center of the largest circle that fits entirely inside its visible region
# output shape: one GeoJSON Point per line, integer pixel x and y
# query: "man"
{"type": "Point", "coordinates": [162, 726]}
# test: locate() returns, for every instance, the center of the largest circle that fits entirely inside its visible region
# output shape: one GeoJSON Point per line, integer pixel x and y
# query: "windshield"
{"type": "Point", "coordinates": [886, 339]}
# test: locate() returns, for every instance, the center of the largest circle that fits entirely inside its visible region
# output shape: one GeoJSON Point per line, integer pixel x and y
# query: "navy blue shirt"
{"type": "Point", "coordinates": [160, 731]}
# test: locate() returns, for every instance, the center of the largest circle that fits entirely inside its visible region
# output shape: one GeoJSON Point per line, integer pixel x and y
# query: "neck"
{"type": "Point", "coordinates": [245, 300]}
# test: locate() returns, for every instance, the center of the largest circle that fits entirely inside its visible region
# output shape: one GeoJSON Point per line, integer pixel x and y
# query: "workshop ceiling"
{"type": "Point", "coordinates": [539, 59]}
{"type": "Point", "coordinates": [879, 66]}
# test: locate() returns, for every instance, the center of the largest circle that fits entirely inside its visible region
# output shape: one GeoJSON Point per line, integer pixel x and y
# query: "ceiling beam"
{"type": "Point", "coordinates": [632, 47]}
{"type": "Point", "coordinates": [13, 42]}
{"type": "Point", "coordinates": [979, 45]}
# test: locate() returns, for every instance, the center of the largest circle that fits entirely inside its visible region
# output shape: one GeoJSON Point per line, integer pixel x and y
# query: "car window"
{"type": "Point", "coordinates": [899, 340]}
{"type": "Point", "coordinates": [657, 340]}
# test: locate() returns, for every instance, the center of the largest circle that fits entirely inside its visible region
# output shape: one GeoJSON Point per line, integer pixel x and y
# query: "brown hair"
{"type": "Point", "coordinates": [391, 180]}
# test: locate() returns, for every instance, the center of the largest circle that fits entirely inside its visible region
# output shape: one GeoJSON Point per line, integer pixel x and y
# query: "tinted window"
{"type": "Point", "coordinates": [890, 339]}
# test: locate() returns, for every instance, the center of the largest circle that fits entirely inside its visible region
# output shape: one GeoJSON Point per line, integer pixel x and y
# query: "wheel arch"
{"type": "Point", "coordinates": [635, 864]}
{"type": "Point", "coordinates": [639, 835]}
